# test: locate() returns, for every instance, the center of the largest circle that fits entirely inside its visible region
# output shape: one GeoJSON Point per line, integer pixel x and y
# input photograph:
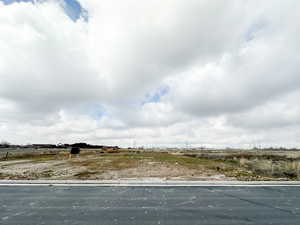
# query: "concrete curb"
{"type": "Point", "coordinates": [146, 182]}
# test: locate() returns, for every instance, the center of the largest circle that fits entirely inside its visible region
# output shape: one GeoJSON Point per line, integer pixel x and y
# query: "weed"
{"type": "Point", "coordinates": [84, 174]}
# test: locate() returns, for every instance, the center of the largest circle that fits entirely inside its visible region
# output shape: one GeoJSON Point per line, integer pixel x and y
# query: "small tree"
{"type": "Point", "coordinates": [4, 144]}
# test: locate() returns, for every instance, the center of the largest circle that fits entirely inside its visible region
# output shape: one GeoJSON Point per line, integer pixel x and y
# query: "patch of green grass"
{"type": "Point", "coordinates": [106, 163]}
{"type": "Point", "coordinates": [174, 159]}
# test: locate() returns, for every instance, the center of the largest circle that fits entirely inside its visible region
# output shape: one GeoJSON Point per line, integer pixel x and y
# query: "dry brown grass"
{"type": "Point", "coordinates": [241, 165]}
{"type": "Point", "coordinates": [256, 165]}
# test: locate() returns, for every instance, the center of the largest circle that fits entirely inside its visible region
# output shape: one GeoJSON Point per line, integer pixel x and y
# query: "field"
{"type": "Point", "coordinates": [245, 165]}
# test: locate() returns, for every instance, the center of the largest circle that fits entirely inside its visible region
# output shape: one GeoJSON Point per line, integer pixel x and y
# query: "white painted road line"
{"type": "Point", "coordinates": [146, 183]}
{"type": "Point", "coordinates": [143, 185]}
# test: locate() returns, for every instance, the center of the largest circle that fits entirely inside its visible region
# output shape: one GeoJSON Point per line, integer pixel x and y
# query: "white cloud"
{"type": "Point", "coordinates": [231, 71]}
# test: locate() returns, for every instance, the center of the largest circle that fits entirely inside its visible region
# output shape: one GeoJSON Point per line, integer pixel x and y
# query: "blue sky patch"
{"type": "Point", "coordinates": [253, 29]}
{"type": "Point", "coordinates": [96, 111]}
{"type": "Point", "coordinates": [156, 96]}
{"type": "Point", "coordinates": [72, 8]}
{"type": "Point", "coordinates": [7, 2]}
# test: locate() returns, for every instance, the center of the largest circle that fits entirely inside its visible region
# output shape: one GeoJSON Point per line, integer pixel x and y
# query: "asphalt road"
{"type": "Point", "coordinates": [149, 205]}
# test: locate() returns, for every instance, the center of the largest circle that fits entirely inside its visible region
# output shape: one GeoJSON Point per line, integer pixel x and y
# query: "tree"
{"type": "Point", "coordinates": [4, 144]}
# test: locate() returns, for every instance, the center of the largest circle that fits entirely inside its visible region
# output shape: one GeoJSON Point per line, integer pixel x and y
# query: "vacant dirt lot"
{"type": "Point", "coordinates": [95, 165]}
{"type": "Point", "coordinates": [125, 164]}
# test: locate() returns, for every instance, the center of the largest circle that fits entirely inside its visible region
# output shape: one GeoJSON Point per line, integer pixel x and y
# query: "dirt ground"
{"type": "Point", "coordinates": [168, 165]}
{"type": "Point", "coordinates": [104, 167]}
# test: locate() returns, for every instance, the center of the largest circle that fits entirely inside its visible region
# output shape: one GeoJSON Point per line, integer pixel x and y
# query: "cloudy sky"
{"type": "Point", "coordinates": [152, 73]}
